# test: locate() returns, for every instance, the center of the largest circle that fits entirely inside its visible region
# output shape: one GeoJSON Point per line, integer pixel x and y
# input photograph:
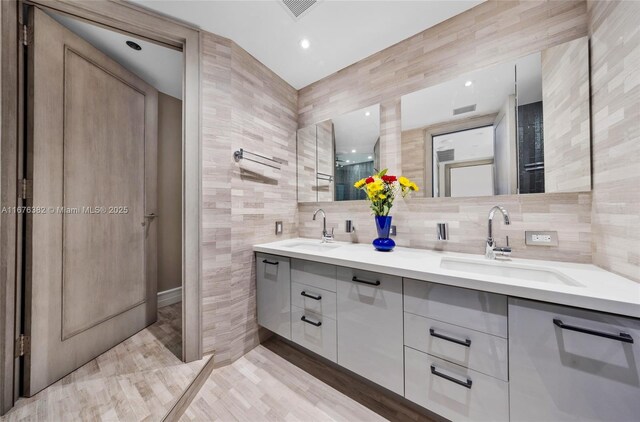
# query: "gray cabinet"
{"type": "Point", "coordinates": [370, 340]}
{"type": "Point", "coordinates": [453, 391]}
{"type": "Point", "coordinates": [568, 364]}
{"type": "Point", "coordinates": [273, 284]}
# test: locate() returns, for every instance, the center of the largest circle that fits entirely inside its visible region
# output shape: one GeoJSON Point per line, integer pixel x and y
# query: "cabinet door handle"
{"type": "Point", "coordinates": [317, 324]}
{"type": "Point", "coordinates": [305, 294]}
{"type": "Point", "coordinates": [269, 262]}
{"type": "Point", "coordinates": [371, 283]}
{"type": "Point", "coordinates": [466, 383]}
{"type": "Point", "coordinates": [623, 337]}
{"type": "Point", "coordinates": [466, 343]}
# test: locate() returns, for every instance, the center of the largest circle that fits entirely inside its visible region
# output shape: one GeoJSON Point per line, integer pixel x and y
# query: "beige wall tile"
{"type": "Point", "coordinates": [244, 105]}
{"type": "Point", "coordinates": [615, 119]}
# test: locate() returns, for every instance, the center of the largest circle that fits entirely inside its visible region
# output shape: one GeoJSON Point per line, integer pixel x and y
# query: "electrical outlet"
{"type": "Point", "coordinates": [278, 227]}
{"type": "Point", "coordinates": [541, 238]}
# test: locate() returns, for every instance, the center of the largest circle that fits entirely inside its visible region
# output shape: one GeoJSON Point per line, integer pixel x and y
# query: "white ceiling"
{"type": "Point", "coordinates": [341, 32]}
{"type": "Point", "coordinates": [489, 90]}
{"type": "Point", "coordinates": [158, 66]}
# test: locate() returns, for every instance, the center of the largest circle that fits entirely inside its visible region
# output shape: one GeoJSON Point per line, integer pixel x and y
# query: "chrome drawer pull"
{"type": "Point", "coordinates": [466, 343]}
{"type": "Point", "coordinates": [317, 324]}
{"type": "Point", "coordinates": [448, 378]}
{"type": "Point", "coordinates": [269, 262]}
{"type": "Point", "coordinates": [623, 337]}
{"type": "Point", "coordinates": [371, 283]}
{"type": "Point", "coordinates": [305, 294]}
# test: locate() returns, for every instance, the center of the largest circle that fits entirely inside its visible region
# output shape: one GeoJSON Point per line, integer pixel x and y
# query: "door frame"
{"type": "Point", "coordinates": [123, 17]}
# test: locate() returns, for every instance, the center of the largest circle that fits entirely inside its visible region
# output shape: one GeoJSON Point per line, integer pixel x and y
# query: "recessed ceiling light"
{"type": "Point", "coordinates": [348, 161]}
{"type": "Point", "coordinates": [368, 113]}
{"type": "Point", "coordinates": [353, 151]}
{"type": "Point", "coordinates": [304, 43]}
{"type": "Point", "coordinates": [369, 157]}
{"type": "Point", "coordinates": [468, 83]}
{"type": "Point", "coordinates": [134, 45]}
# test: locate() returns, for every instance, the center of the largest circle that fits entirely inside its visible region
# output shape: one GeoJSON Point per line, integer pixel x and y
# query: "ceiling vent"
{"type": "Point", "coordinates": [299, 7]}
{"type": "Point", "coordinates": [465, 109]}
{"type": "Point", "coordinates": [445, 155]}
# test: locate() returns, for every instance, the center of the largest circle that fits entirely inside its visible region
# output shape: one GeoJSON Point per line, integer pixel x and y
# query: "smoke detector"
{"type": "Point", "coordinates": [299, 8]}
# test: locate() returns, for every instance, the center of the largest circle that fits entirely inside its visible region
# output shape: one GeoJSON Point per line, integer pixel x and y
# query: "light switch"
{"type": "Point", "coordinates": [278, 227]}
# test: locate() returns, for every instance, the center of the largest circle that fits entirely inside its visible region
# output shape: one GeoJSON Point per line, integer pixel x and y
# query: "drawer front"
{"type": "Point", "coordinates": [274, 293]}
{"type": "Point", "coordinates": [558, 373]}
{"type": "Point", "coordinates": [320, 339]}
{"type": "Point", "coordinates": [472, 349]}
{"type": "Point", "coordinates": [480, 311]}
{"type": "Point", "coordinates": [312, 299]}
{"type": "Point", "coordinates": [315, 274]}
{"type": "Point", "coordinates": [370, 339]}
{"type": "Point", "coordinates": [464, 395]}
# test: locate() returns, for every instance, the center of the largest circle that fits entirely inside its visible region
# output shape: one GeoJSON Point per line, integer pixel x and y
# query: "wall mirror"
{"type": "Point", "coordinates": [332, 155]}
{"type": "Point", "coordinates": [516, 127]}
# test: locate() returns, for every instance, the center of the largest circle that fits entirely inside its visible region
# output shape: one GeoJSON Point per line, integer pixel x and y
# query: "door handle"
{"type": "Point", "coordinates": [149, 217]}
{"type": "Point", "coordinates": [452, 379]}
{"type": "Point", "coordinates": [623, 337]}
{"type": "Point", "coordinates": [466, 342]}
{"type": "Point", "coordinates": [270, 263]}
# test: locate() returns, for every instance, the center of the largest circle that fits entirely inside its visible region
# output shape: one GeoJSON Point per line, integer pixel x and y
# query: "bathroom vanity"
{"type": "Point", "coordinates": [466, 338]}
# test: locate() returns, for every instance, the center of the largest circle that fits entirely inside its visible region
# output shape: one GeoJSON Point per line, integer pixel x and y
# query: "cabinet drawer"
{"type": "Point", "coordinates": [319, 339]}
{"type": "Point", "coordinates": [558, 373]}
{"type": "Point", "coordinates": [315, 274]}
{"type": "Point", "coordinates": [273, 285]}
{"type": "Point", "coordinates": [480, 311]}
{"type": "Point", "coordinates": [312, 299]}
{"type": "Point", "coordinates": [370, 338]}
{"type": "Point", "coordinates": [464, 395]}
{"type": "Point", "coordinates": [472, 349]}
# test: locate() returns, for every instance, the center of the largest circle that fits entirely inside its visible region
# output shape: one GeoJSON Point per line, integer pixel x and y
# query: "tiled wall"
{"type": "Point", "coordinates": [244, 105]}
{"type": "Point", "coordinates": [615, 119]}
{"type": "Point", "coordinates": [565, 99]}
{"type": "Point", "coordinates": [416, 218]}
{"type": "Point", "coordinates": [493, 32]}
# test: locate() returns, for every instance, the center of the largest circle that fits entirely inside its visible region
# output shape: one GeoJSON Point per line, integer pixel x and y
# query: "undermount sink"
{"type": "Point", "coordinates": [313, 247]}
{"type": "Point", "coordinates": [508, 270]}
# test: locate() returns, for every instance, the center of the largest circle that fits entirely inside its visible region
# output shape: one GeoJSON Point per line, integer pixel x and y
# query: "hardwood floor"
{"type": "Point", "coordinates": [139, 379]}
{"type": "Point", "coordinates": [276, 382]}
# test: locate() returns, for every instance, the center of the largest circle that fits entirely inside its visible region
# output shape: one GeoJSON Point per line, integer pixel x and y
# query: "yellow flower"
{"type": "Point", "coordinates": [415, 187]}
{"type": "Point", "coordinates": [375, 187]}
{"type": "Point", "coordinates": [382, 196]}
{"type": "Point", "coordinates": [404, 181]}
{"type": "Point", "coordinates": [360, 183]}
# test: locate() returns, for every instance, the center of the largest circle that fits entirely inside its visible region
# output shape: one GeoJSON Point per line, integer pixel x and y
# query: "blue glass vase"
{"type": "Point", "coordinates": [383, 242]}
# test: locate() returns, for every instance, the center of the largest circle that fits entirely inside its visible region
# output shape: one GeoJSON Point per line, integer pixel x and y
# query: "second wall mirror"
{"type": "Point", "coordinates": [334, 154]}
{"type": "Point", "coordinates": [516, 127]}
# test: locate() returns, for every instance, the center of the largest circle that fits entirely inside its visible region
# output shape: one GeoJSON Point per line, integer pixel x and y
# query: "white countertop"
{"type": "Point", "coordinates": [600, 290]}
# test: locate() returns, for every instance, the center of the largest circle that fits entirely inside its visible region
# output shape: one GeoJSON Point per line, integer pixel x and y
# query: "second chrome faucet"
{"type": "Point", "coordinates": [491, 249]}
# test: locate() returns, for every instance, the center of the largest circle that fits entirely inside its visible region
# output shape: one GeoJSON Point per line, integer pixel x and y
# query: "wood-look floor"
{"type": "Point", "coordinates": [138, 380]}
{"type": "Point", "coordinates": [277, 382]}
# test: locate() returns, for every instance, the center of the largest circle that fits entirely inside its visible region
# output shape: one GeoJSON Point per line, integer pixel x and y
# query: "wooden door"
{"type": "Point", "coordinates": [90, 252]}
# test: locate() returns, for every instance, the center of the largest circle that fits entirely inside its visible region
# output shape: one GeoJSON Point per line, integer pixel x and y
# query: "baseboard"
{"type": "Point", "coordinates": [169, 297]}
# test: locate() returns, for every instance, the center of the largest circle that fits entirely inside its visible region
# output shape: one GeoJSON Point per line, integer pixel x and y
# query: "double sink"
{"type": "Point", "coordinates": [491, 268]}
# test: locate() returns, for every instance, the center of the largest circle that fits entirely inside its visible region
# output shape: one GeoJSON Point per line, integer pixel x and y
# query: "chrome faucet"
{"type": "Point", "coordinates": [326, 236]}
{"type": "Point", "coordinates": [491, 249]}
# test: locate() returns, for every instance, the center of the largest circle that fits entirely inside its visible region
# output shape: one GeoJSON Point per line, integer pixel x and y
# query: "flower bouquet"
{"type": "Point", "coordinates": [382, 189]}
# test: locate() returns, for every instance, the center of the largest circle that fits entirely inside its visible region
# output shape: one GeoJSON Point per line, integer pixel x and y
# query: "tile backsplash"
{"type": "Point", "coordinates": [567, 213]}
